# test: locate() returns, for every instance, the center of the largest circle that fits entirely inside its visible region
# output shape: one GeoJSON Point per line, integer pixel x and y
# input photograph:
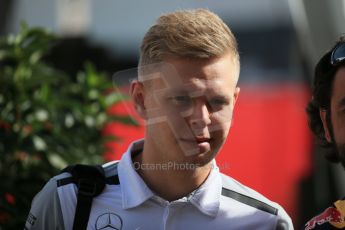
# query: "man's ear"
{"type": "Point", "coordinates": [236, 94]}
{"type": "Point", "coordinates": [323, 116]}
{"type": "Point", "coordinates": [137, 93]}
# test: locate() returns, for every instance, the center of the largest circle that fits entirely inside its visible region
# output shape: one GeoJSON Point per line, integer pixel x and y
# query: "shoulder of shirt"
{"type": "Point", "coordinates": [235, 190]}
{"type": "Point", "coordinates": [110, 171]}
{"type": "Point", "coordinates": [110, 168]}
{"type": "Point", "coordinates": [48, 200]}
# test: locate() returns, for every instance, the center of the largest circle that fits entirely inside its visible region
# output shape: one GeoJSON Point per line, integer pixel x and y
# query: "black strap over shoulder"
{"type": "Point", "coordinates": [90, 181]}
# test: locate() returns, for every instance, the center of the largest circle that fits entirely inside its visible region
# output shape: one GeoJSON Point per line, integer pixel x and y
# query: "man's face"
{"type": "Point", "coordinates": [337, 114]}
{"type": "Point", "coordinates": [188, 108]}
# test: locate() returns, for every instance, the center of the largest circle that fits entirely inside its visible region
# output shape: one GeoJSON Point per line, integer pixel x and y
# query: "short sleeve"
{"type": "Point", "coordinates": [45, 212]}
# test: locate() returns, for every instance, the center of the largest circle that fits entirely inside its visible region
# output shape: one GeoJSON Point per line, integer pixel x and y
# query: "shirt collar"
{"type": "Point", "coordinates": [135, 192]}
{"type": "Point", "coordinates": [207, 197]}
{"type": "Point", "coordinates": [133, 188]}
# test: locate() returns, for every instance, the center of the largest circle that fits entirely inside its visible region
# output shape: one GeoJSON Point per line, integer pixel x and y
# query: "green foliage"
{"type": "Point", "coordinates": [47, 120]}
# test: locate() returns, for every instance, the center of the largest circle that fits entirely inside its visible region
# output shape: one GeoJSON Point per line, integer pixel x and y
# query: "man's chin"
{"type": "Point", "coordinates": [201, 159]}
{"type": "Point", "coordinates": [197, 151]}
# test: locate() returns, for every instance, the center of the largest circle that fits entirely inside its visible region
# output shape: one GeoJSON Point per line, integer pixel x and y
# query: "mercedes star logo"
{"type": "Point", "coordinates": [108, 221]}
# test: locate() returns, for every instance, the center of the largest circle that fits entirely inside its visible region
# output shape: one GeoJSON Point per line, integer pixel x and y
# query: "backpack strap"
{"type": "Point", "coordinates": [90, 181]}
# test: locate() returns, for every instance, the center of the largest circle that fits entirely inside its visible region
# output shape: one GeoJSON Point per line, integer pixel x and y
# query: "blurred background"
{"type": "Point", "coordinates": [270, 147]}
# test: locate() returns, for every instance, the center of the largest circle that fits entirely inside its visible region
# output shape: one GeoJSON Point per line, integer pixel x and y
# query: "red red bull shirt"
{"type": "Point", "coordinates": [332, 218]}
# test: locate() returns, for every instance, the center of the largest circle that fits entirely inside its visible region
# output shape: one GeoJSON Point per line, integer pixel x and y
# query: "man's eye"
{"type": "Point", "coordinates": [217, 102]}
{"type": "Point", "coordinates": [181, 100]}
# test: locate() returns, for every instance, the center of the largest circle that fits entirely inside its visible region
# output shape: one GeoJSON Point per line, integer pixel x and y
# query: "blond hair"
{"type": "Point", "coordinates": [195, 33]}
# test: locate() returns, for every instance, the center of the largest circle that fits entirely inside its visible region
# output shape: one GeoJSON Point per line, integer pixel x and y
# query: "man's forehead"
{"type": "Point", "coordinates": [195, 88]}
{"type": "Point", "coordinates": [165, 73]}
{"type": "Point", "coordinates": [160, 80]}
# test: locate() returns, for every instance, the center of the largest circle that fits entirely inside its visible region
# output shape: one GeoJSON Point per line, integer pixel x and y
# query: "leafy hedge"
{"type": "Point", "coordinates": [47, 120]}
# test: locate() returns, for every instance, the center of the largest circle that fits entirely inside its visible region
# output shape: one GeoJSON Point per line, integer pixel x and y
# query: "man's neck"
{"type": "Point", "coordinates": [170, 183]}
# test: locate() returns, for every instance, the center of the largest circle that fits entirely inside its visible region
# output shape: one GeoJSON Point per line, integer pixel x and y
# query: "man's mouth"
{"type": "Point", "coordinates": [198, 145]}
{"type": "Point", "coordinates": [198, 140]}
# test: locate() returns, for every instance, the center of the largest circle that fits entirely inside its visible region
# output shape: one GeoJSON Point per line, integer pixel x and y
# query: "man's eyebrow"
{"type": "Point", "coordinates": [179, 89]}
{"type": "Point", "coordinates": [221, 96]}
{"type": "Point", "coordinates": [175, 91]}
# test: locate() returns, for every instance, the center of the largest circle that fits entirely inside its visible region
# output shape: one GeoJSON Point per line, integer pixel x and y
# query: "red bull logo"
{"type": "Point", "coordinates": [330, 215]}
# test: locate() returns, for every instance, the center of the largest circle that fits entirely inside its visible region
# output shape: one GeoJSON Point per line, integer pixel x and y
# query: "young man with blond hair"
{"type": "Point", "coordinates": [186, 92]}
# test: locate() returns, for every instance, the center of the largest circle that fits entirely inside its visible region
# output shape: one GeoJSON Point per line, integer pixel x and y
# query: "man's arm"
{"type": "Point", "coordinates": [45, 210]}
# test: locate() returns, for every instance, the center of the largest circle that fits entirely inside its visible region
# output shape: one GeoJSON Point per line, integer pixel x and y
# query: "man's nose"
{"type": "Point", "coordinates": [200, 116]}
